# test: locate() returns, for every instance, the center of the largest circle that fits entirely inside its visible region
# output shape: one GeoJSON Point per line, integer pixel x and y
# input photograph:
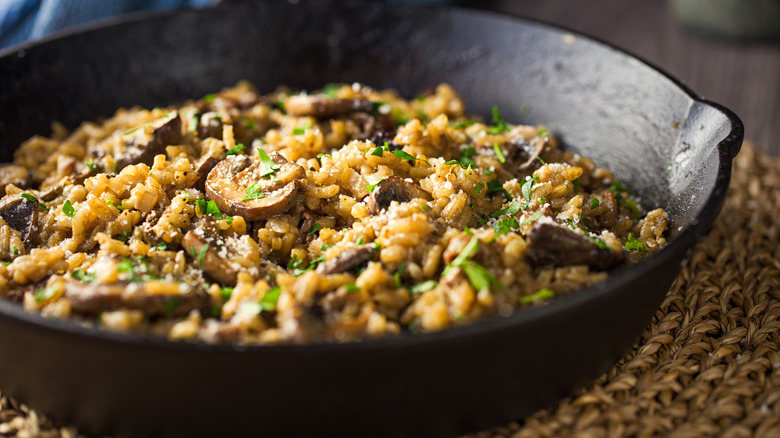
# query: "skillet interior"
{"type": "Point", "coordinates": [666, 145]}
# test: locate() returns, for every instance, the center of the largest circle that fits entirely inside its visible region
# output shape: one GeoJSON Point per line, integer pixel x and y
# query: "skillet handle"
{"type": "Point", "coordinates": [732, 143]}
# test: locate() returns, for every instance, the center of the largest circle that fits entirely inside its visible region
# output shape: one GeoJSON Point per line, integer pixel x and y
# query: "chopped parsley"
{"type": "Point", "coordinates": [321, 155]}
{"type": "Point", "coordinates": [543, 132]}
{"type": "Point", "coordinates": [399, 273]}
{"type": "Point", "coordinates": [91, 164]}
{"type": "Point", "coordinates": [479, 277]}
{"type": "Point", "coordinates": [267, 165]}
{"type": "Point", "coordinates": [43, 294]}
{"type": "Point", "coordinates": [314, 229]}
{"type": "Point", "coordinates": [510, 210]}
{"type": "Point", "coordinates": [594, 203]}
{"type": "Point", "coordinates": [505, 225]}
{"type": "Point", "coordinates": [253, 192]}
{"type": "Point", "coordinates": [236, 149]}
{"type": "Point", "coordinates": [371, 187]}
{"type": "Point", "coordinates": [135, 268]}
{"type": "Point", "coordinates": [296, 265]}
{"type": "Point", "coordinates": [466, 155]}
{"type": "Point", "coordinates": [225, 293]}
{"type": "Point", "coordinates": [499, 153]}
{"type": "Point", "coordinates": [32, 198]}
{"type": "Point", "coordinates": [331, 90]}
{"type": "Point", "coordinates": [407, 156]}
{"type": "Point", "coordinates": [527, 188]}
{"type": "Point", "coordinates": [423, 287]}
{"type": "Point", "coordinates": [495, 186]}
{"type": "Point", "coordinates": [209, 98]}
{"type": "Point", "coordinates": [377, 151]}
{"type": "Point", "coordinates": [600, 243]}
{"type": "Point", "coordinates": [194, 120]}
{"type": "Point", "coordinates": [463, 124]}
{"type": "Point", "coordinates": [634, 245]}
{"type": "Point", "coordinates": [543, 294]}
{"type": "Point", "coordinates": [209, 207]}
{"type": "Point", "coordinates": [301, 129]}
{"type": "Point", "coordinates": [270, 298]}
{"type": "Point", "coordinates": [68, 210]}
{"type": "Point", "coordinates": [14, 250]}
{"type": "Point", "coordinates": [478, 188]}
{"type": "Point", "coordinates": [499, 125]}
{"type": "Point", "coordinates": [162, 246]}
{"type": "Point", "coordinates": [81, 275]}
{"type": "Point", "coordinates": [202, 254]}
{"type": "Point", "coordinates": [576, 185]}
{"type": "Point", "coordinates": [352, 288]}
{"type": "Point", "coordinates": [534, 217]}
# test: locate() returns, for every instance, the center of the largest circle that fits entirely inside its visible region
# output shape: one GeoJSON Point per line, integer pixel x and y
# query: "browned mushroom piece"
{"type": "Point", "coordinates": [303, 323]}
{"type": "Point", "coordinates": [394, 189]}
{"type": "Point", "coordinates": [210, 125]}
{"type": "Point", "coordinates": [204, 165]}
{"type": "Point", "coordinates": [553, 245]}
{"type": "Point", "coordinates": [13, 174]}
{"type": "Point", "coordinates": [204, 243]}
{"type": "Point", "coordinates": [322, 107]}
{"type": "Point", "coordinates": [238, 187]}
{"type": "Point", "coordinates": [347, 260]}
{"type": "Point", "coordinates": [167, 131]}
{"type": "Point", "coordinates": [92, 299]}
{"type": "Point", "coordinates": [524, 154]}
{"type": "Point", "coordinates": [20, 214]}
{"type": "Point", "coordinates": [608, 218]}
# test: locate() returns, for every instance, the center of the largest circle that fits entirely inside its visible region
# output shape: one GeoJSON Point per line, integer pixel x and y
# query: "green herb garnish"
{"type": "Point", "coordinates": [225, 293]}
{"type": "Point", "coordinates": [32, 198]}
{"type": "Point", "coordinates": [478, 188]}
{"type": "Point", "coordinates": [399, 273]}
{"type": "Point", "coordinates": [270, 298]}
{"type": "Point", "coordinates": [236, 149]}
{"type": "Point", "coordinates": [534, 217]}
{"type": "Point", "coordinates": [352, 288]}
{"type": "Point", "coordinates": [499, 153]}
{"type": "Point", "coordinates": [505, 225]}
{"type": "Point", "coordinates": [594, 203]}
{"type": "Point", "coordinates": [209, 98]}
{"type": "Point", "coordinates": [202, 254]}
{"type": "Point", "coordinates": [499, 123]}
{"type": "Point", "coordinates": [314, 229]}
{"type": "Point", "coordinates": [267, 165]}
{"type": "Point", "coordinates": [543, 294]}
{"type": "Point", "coordinates": [91, 164]}
{"type": "Point", "coordinates": [253, 192]}
{"type": "Point", "coordinates": [634, 245]}
{"type": "Point", "coordinates": [162, 246]}
{"type": "Point", "coordinates": [371, 187]}
{"type": "Point", "coordinates": [67, 209]}
{"type": "Point", "coordinates": [407, 156]}
{"type": "Point", "coordinates": [81, 275]}
{"type": "Point", "coordinates": [43, 294]}
{"type": "Point", "coordinates": [510, 210]}
{"type": "Point", "coordinates": [423, 287]}
{"type": "Point", "coordinates": [331, 90]}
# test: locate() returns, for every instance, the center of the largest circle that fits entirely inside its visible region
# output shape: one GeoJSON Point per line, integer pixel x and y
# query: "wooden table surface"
{"type": "Point", "coordinates": [743, 76]}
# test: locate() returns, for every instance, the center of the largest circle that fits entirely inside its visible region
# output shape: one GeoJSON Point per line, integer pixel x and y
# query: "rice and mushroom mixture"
{"type": "Point", "coordinates": [298, 217]}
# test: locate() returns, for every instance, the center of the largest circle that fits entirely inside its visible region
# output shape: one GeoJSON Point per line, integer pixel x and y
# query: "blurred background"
{"type": "Point", "coordinates": [727, 51]}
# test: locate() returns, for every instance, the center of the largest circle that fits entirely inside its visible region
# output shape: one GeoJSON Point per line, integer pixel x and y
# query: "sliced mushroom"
{"type": "Point", "coordinates": [394, 189]}
{"type": "Point", "coordinates": [91, 299]}
{"type": "Point", "coordinates": [213, 253]}
{"type": "Point", "coordinates": [204, 165]}
{"type": "Point", "coordinates": [525, 153]}
{"type": "Point", "coordinates": [553, 245]}
{"type": "Point", "coordinates": [13, 174]}
{"type": "Point", "coordinates": [321, 107]}
{"type": "Point", "coordinates": [21, 215]}
{"type": "Point", "coordinates": [347, 260]}
{"type": "Point", "coordinates": [167, 133]}
{"type": "Point", "coordinates": [608, 218]}
{"type": "Point", "coordinates": [228, 182]}
{"type": "Point", "coordinates": [210, 125]}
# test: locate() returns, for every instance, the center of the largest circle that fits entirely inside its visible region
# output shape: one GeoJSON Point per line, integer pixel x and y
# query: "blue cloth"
{"type": "Point", "coordinates": [22, 20]}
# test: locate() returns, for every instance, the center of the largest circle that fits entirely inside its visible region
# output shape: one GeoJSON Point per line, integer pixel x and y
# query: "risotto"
{"type": "Point", "coordinates": [293, 217]}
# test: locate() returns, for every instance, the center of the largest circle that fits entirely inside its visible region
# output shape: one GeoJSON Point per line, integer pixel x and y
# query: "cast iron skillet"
{"type": "Point", "coordinates": [665, 143]}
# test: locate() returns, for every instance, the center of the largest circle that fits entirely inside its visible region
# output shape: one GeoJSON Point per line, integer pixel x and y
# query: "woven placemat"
{"type": "Point", "coordinates": [708, 364]}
